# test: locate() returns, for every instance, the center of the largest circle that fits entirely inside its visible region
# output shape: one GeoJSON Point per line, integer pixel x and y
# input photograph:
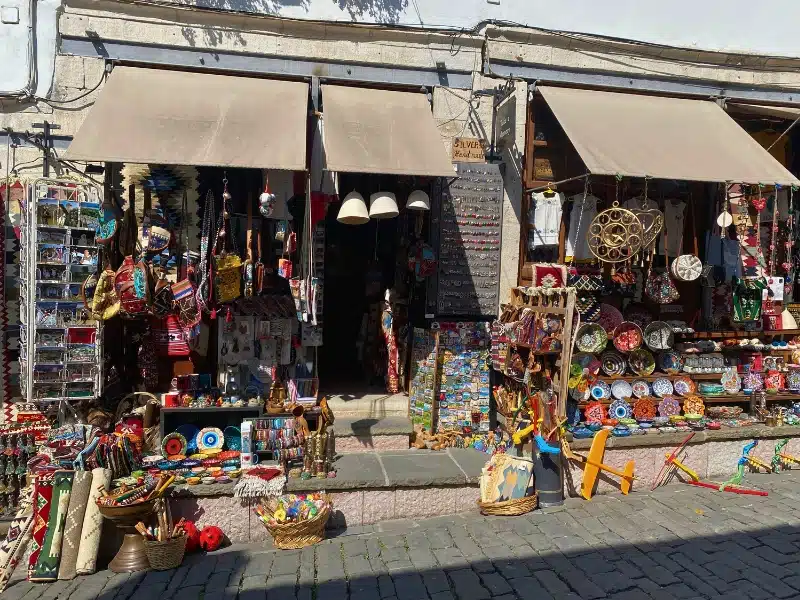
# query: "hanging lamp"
{"type": "Point", "coordinates": [353, 210]}
{"type": "Point", "coordinates": [383, 205]}
{"type": "Point", "coordinates": [418, 200]}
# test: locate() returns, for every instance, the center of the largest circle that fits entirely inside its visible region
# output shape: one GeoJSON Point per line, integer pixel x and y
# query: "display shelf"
{"type": "Point", "coordinates": [704, 335]}
{"type": "Point", "coordinates": [48, 366]}
{"type": "Point", "coordinates": [654, 376]}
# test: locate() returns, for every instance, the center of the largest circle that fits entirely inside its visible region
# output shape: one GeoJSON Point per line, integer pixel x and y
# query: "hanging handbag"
{"type": "Point", "coordinates": [227, 265]}
{"type": "Point", "coordinates": [659, 287]}
{"type": "Point", "coordinates": [106, 226]}
{"type": "Point", "coordinates": [163, 301]}
{"type": "Point", "coordinates": [105, 301]}
{"type": "Point", "coordinates": [126, 280]}
{"type": "Point", "coordinates": [184, 293]}
{"type": "Point", "coordinates": [169, 336]}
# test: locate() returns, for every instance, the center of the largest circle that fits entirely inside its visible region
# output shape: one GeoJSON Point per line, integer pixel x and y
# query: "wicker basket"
{"type": "Point", "coordinates": [509, 508]}
{"type": "Point", "coordinates": [165, 555]}
{"type": "Point", "coordinates": [290, 536]}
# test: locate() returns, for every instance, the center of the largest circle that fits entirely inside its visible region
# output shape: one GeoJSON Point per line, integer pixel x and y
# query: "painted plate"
{"type": "Point", "coordinates": [644, 409]}
{"type": "Point", "coordinates": [684, 386]}
{"type": "Point", "coordinates": [642, 362]}
{"type": "Point", "coordinates": [210, 438]}
{"type": "Point", "coordinates": [594, 413]}
{"type": "Point", "coordinates": [662, 387]}
{"type": "Point", "coordinates": [640, 388]}
{"type": "Point", "coordinates": [669, 407]}
{"type": "Point", "coordinates": [613, 363]}
{"type": "Point", "coordinates": [172, 444]}
{"type": "Point", "coordinates": [621, 390]}
{"type": "Point", "coordinates": [620, 409]}
{"type": "Point", "coordinates": [601, 390]}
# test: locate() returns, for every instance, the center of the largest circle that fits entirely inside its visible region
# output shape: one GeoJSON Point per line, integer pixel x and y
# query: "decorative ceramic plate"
{"type": "Point", "coordinates": [753, 381]}
{"type": "Point", "coordinates": [640, 388]}
{"type": "Point", "coordinates": [594, 413]}
{"type": "Point", "coordinates": [662, 387]}
{"type": "Point", "coordinates": [173, 443]}
{"type": "Point", "coordinates": [627, 337]}
{"type": "Point", "coordinates": [660, 421]}
{"type": "Point", "coordinates": [601, 390]}
{"type": "Point", "coordinates": [620, 409]}
{"type": "Point", "coordinates": [642, 362]}
{"type": "Point", "coordinates": [659, 336]}
{"type": "Point", "coordinates": [210, 438]}
{"type": "Point", "coordinates": [189, 432]}
{"type": "Point", "coordinates": [644, 409]}
{"type": "Point", "coordinates": [670, 362]}
{"type": "Point", "coordinates": [591, 337]}
{"type": "Point", "coordinates": [613, 363]}
{"type": "Point", "coordinates": [693, 405]}
{"type": "Point", "coordinates": [684, 386]}
{"type": "Point", "coordinates": [610, 318]}
{"type": "Point", "coordinates": [669, 407]}
{"type": "Point", "coordinates": [588, 363]}
{"type": "Point", "coordinates": [621, 390]}
{"type": "Point", "coordinates": [792, 379]}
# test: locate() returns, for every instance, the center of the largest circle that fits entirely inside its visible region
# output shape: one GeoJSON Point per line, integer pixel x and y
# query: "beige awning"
{"type": "Point", "coordinates": [779, 112]}
{"type": "Point", "coordinates": [663, 138]}
{"type": "Point", "coordinates": [176, 117]}
{"type": "Point", "coordinates": [381, 131]}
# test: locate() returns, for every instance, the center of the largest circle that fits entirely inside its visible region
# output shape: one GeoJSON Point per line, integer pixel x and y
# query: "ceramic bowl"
{"type": "Point", "coordinates": [684, 386]}
{"type": "Point", "coordinates": [627, 337]}
{"type": "Point", "coordinates": [591, 337]}
{"type": "Point", "coordinates": [613, 363]}
{"type": "Point", "coordinates": [659, 336]}
{"type": "Point", "coordinates": [621, 390]}
{"type": "Point", "coordinates": [642, 362]}
{"type": "Point", "coordinates": [640, 388]}
{"type": "Point", "coordinates": [670, 362]}
{"type": "Point", "coordinates": [601, 390]}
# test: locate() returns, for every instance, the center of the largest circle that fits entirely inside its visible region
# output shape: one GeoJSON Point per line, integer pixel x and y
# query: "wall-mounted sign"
{"type": "Point", "coordinates": [506, 123]}
{"type": "Point", "coordinates": [468, 150]}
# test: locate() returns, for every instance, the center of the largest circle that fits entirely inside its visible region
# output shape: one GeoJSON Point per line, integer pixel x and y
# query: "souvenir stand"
{"type": "Point", "coordinates": [677, 331]}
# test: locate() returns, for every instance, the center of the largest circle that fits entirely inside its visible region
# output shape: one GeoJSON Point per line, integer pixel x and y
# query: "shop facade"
{"type": "Point", "coordinates": [440, 144]}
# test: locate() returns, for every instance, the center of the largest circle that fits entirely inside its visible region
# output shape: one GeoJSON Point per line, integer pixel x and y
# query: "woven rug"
{"type": "Point", "coordinates": [50, 554]}
{"type": "Point", "coordinates": [81, 486]}
{"type": "Point", "coordinates": [13, 547]}
{"type": "Point", "coordinates": [42, 497]}
{"type": "Point", "coordinates": [92, 524]}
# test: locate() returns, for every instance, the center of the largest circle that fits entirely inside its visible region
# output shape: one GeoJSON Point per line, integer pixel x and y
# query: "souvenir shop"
{"type": "Point", "coordinates": [666, 232]}
{"type": "Point", "coordinates": [174, 314]}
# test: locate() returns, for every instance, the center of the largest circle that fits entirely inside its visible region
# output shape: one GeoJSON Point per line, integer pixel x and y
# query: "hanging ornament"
{"type": "Point", "coordinates": [267, 201]}
{"type": "Point", "coordinates": [725, 218]}
{"type": "Point", "coordinates": [615, 235]}
{"type": "Point", "coordinates": [652, 221]}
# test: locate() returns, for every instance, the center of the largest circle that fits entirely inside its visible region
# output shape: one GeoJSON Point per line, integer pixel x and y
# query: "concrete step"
{"type": "Point", "coordinates": [365, 434]}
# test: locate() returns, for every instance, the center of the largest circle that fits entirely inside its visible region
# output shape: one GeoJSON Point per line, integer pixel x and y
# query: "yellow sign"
{"type": "Point", "coordinates": [468, 150]}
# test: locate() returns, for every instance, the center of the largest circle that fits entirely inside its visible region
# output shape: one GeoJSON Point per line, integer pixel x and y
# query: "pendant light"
{"type": "Point", "coordinates": [383, 205]}
{"type": "Point", "coordinates": [418, 200]}
{"type": "Point", "coordinates": [353, 210]}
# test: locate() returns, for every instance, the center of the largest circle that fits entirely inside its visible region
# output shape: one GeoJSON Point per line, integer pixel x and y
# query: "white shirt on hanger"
{"type": "Point", "coordinates": [546, 219]}
{"type": "Point", "coordinates": [584, 210]}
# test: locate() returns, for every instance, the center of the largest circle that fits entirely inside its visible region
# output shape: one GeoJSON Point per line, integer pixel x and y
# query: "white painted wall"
{"type": "Point", "coordinates": [28, 33]}
{"type": "Point", "coordinates": [767, 27]}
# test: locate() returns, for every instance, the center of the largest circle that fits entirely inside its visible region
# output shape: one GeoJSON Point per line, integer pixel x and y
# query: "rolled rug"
{"type": "Point", "coordinates": [50, 554]}
{"type": "Point", "coordinates": [92, 524]}
{"type": "Point", "coordinates": [42, 501]}
{"type": "Point", "coordinates": [81, 486]}
{"type": "Point", "coordinates": [13, 547]}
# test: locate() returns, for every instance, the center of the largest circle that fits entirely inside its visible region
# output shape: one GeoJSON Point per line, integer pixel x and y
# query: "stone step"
{"type": "Point", "coordinates": [365, 434]}
{"type": "Point", "coordinates": [368, 405]}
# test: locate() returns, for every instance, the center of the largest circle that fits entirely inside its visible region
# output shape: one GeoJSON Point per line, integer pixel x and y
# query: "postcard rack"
{"type": "Point", "coordinates": [60, 343]}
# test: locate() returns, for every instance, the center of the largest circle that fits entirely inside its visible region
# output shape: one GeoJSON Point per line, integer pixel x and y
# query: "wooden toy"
{"type": "Point", "coordinates": [669, 464]}
{"type": "Point", "coordinates": [593, 464]}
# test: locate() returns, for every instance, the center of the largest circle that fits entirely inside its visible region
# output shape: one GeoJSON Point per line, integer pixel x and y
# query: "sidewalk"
{"type": "Point", "coordinates": [677, 542]}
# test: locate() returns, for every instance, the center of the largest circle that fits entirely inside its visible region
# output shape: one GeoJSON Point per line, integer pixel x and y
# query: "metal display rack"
{"type": "Point", "coordinates": [60, 343]}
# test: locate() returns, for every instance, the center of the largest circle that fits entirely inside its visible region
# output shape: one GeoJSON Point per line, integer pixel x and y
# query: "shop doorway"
{"type": "Point", "coordinates": [360, 266]}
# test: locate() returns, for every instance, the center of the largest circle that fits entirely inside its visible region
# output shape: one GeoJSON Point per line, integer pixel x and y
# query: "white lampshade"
{"type": "Point", "coordinates": [353, 210]}
{"type": "Point", "coordinates": [418, 200]}
{"type": "Point", "coordinates": [383, 205]}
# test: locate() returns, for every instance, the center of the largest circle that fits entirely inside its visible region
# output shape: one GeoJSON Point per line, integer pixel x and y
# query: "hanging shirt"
{"type": "Point", "coordinates": [546, 219]}
{"type": "Point", "coordinates": [674, 214]}
{"type": "Point", "coordinates": [584, 210]}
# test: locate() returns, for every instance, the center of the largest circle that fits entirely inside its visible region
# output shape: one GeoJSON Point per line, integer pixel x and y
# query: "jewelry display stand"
{"type": "Point", "coordinates": [60, 343]}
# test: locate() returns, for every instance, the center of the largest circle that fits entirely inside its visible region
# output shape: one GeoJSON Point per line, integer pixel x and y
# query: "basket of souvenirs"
{"type": "Point", "coordinates": [506, 486]}
{"type": "Point", "coordinates": [296, 521]}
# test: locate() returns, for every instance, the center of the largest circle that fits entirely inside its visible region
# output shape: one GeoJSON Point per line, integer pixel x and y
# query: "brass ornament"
{"type": "Point", "coordinates": [615, 235]}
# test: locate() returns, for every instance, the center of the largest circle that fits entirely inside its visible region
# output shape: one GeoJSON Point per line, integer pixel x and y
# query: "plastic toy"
{"type": "Point", "coordinates": [744, 461]}
{"type": "Point", "coordinates": [781, 460]}
{"type": "Point", "coordinates": [594, 464]}
{"type": "Point", "coordinates": [545, 448]}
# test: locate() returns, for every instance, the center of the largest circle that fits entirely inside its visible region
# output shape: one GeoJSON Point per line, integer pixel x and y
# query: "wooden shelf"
{"type": "Point", "coordinates": [728, 399]}
{"type": "Point", "coordinates": [540, 143]}
{"type": "Point", "coordinates": [654, 376]}
{"type": "Point", "coordinates": [704, 335]}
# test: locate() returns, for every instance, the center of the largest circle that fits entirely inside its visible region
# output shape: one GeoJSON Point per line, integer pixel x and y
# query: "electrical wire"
{"type": "Point", "coordinates": [76, 98]}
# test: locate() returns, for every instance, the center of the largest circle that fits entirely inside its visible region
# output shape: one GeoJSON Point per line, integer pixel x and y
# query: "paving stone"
{"type": "Point", "coordinates": [449, 558]}
{"type": "Point", "coordinates": [552, 583]}
{"type": "Point", "coordinates": [495, 584]}
{"type": "Point", "coordinates": [435, 581]}
{"type": "Point", "coordinates": [228, 593]}
{"type": "Point", "coordinates": [467, 585]}
{"type": "Point", "coordinates": [614, 582]}
{"type": "Point", "coordinates": [385, 586]}
{"type": "Point", "coordinates": [189, 593]}
{"type": "Point", "coordinates": [443, 596]}
{"type": "Point", "coordinates": [585, 587]}
{"type": "Point", "coordinates": [530, 588]}
{"type": "Point", "coordinates": [332, 590]}
{"type": "Point", "coordinates": [409, 585]}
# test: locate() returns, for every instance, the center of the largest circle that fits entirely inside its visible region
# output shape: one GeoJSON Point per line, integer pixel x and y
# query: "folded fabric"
{"type": "Point", "coordinates": [50, 555]}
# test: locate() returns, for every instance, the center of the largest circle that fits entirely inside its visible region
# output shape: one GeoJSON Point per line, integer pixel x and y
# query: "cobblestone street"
{"type": "Point", "coordinates": [677, 542]}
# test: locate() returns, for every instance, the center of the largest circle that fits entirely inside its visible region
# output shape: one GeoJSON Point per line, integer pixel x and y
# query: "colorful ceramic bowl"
{"type": "Point", "coordinates": [601, 390]}
{"type": "Point", "coordinates": [627, 337]}
{"type": "Point", "coordinates": [613, 363]}
{"type": "Point", "coordinates": [669, 407]}
{"type": "Point", "coordinates": [640, 388]}
{"type": "Point", "coordinates": [684, 386]}
{"type": "Point", "coordinates": [642, 362]}
{"type": "Point", "coordinates": [670, 362]}
{"type": "Point", "coordinates": [591, 338]}
{"type": "Point", "coordinates": [621, 390]}
{"type": "Point", "coordinates": [659, 336]}
{"type": "Point", "coordinates": [619, 409]}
